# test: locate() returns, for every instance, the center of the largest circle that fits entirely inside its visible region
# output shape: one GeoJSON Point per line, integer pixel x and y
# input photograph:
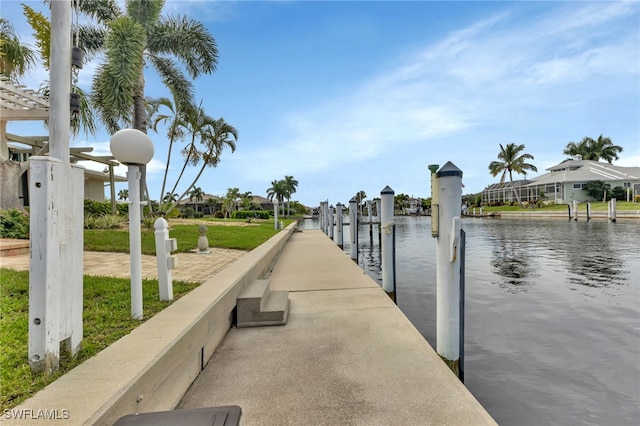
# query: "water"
{"type": "Point", "coordinates": [552, 330]}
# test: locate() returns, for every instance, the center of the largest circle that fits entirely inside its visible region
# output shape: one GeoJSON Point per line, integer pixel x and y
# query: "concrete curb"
{"type": "Point", "coordinates": [151, 368]}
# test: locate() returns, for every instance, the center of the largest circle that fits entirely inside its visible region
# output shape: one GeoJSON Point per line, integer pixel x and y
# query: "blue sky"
{"type": "Point", "coordinates": [349, 95]}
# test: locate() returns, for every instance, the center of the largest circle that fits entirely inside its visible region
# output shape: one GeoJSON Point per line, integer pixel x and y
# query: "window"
{"type": "Point", "coordinates": [627, 184]}
{"type": "Point", "coordinates": [579, 185]}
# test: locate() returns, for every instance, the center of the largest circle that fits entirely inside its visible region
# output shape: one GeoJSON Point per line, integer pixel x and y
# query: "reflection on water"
{"type": "Point", "coordinates": [552, 314]}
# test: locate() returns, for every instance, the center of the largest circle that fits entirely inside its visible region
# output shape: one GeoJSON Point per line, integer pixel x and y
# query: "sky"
{"type": "Point", "coordinates": [349, 96]}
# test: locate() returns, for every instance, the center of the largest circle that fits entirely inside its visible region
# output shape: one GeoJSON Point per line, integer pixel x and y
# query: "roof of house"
{"type": "Point", "coordinates": [586, 170]}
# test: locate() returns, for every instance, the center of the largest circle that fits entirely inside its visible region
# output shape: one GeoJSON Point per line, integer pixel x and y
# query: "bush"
{"type": "Point", "coordinates": [14, 223]}
{"type": "Point", "coordinates": [198, 215]}
{"type": "Point", "coordinates": [248, 214]}
{"type": "Point", "coordinates": [188, 212]}
{"type": "Point", "coordinates": [103, 208]}
{"type": "Point", "coordinates": [218, 215]}
{"type": "Point", "coordinates": [104, 222]}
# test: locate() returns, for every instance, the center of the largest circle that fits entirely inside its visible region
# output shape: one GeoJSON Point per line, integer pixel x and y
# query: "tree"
{"type": "Point", "coordinates": [360, 196]}
{"type": "Point", "coordinates": [123, 194]}
{"type": "Point", "coordinates": [16, 58]}
{"type": "Point", "coordinates": [196, 193]}
{"type": "Point", "coordinates": [511, 159]}
{"type": "Point", "coordinates": [136, 39]}
{"type": "Point", "coordinates": [278, 190]}
{"type": "Point", "coordinates": [290, 185]}
{"type": "Point", "coordinates": [597, 189]}
{"type": "Point", "coordinates": [230, 201]}
{"type": "Point", "coordinates": [601, 148]}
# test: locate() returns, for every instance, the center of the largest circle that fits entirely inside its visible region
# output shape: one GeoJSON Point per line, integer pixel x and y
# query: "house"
{"type": "Point", "coordinates": [20, 104]}
{"type": "Point", "coordinates": [564, 182]}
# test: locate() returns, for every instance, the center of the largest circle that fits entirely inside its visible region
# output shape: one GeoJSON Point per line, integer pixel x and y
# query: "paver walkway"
{"type": "Point", "coordinates": [192, 267]}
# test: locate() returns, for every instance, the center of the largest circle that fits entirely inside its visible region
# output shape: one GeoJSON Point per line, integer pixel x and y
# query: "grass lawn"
{"type": "Point", "coordinates": [231, 237]}
{"type": "Point", "coordinates": [107, 301]}
{"type": "Point", "coordinates": [106, 317]}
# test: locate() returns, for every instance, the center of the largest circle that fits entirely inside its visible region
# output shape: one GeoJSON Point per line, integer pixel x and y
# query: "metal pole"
{"type": "Point", "coordinates": [387, 226]}
{"type": "Point", "coordinates": [135, 244]}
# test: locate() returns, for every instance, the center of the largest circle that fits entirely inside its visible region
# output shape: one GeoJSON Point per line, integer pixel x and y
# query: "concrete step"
{"type": "Point", "coordinates": [259, 306]}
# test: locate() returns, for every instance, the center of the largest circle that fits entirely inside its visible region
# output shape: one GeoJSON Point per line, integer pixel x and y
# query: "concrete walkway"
{"type": "Point", "coordinates": [348, 355]}
{"type": "Point", "coordinates": [192, 267]}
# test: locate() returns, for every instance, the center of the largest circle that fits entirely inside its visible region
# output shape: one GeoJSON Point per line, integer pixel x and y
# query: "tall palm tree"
{"type": "Point", "coordinates": [511, 159]}
{"type": "Point", "coordinates": [215, 136]}
{"type": "Point", "coordinates": [290, 185]}
{"type": "Point", "coordinates": [196, 193]}
{"type": "Point", "coordinates": [16, 58]}
{"type": "Point", "coordinates": [136, 39]}
{"type": "Point", "coordinates": [361, 195]}
{"type": "Point", "coordinates": [277, 190]}
{"type": "Point", "coordinates": [601, 148]}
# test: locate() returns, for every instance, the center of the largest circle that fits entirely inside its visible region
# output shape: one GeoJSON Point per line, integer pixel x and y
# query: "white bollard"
{"type": "Point", "coordinates": [339, 225]}
{"type": "Point", "coordinates": [353, 229]}
{"type": "Point", "coordinates": [387, 249]}
{"type": "Point", "coordinates": [449, 187]}
{"type": "Point", "coordinates": [166, 262]}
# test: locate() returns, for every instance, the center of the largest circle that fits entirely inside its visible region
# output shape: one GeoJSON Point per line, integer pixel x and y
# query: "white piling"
{"type": "Point", "coordinates": [387, 249]}
{"type": "Point", "coordinates": [575, 210]}
{"type": "Point", "coordinates": [369, 211]}
{"type": "Point", "coordinates": [449, 188]}
{"type": "Point", "coordinates": [353, 229]}
{"type": "Point", "coordinates": [330, 220]}
{"type": "Point", "coordinates": [166, 262]}
{"type": "Point", "coordinates": [612, 210]}
{"type": "Point", "coordinates": [339, 225]}
{"type": "Point", "coordinates": [378, 208]}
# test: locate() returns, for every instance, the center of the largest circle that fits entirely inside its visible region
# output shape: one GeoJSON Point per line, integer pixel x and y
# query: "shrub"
{"type": "Point", "coordinates": [218, 215]}
{"type": "Point", "coordinates": [104, 222]}
{"type": "Point", "coordinates": [198, 215]}
{"type": "Point", "coordinates": [188, 212]}
{"type": "Point", "coordinates": [103, 208]}
{"type": "Point", "coordinates": [14, 223]}
{"type": "Point", "coordinates": [248, 214]}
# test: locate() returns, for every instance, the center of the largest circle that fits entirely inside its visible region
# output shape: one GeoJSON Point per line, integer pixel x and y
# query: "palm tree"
{"type": "Point", "coordinates": [361, 195]}
{"type": "Point", "coordinates": [196, 193]}
{"type": "Point", "coordinates": [277, 190]}
{"type": "Point", "coordinates": [123, 194]}
{"type": "Point", "coordinates": [215, 135]}
{"type": "Point", "coordinates": [136, 39]}
{"type": "Point", "coordinates": [511, 160]}
{"type": "Point", "coordinates": [290, 185]}
{"type": "Point", "coordinates": [589, 149]}
{"type": "Point", "coordinates": [16, 58]}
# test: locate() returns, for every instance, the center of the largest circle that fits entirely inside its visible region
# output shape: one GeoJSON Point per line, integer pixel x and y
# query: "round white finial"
{"type": "Point", "coordinates": [131, 146]}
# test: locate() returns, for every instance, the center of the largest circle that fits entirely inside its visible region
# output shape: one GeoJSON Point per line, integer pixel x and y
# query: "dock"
{"type": "Point", "coordinates": [347, 355]}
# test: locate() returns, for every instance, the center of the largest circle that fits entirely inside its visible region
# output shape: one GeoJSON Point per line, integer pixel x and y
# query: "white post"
{"type": "Point", "coordinates": [330, 221]}
{"type": "Point", "coordinates": [387, 249]}
{"type": "Point", "coordinates": [448, 265]}
{"type": "Point", "coordinates": [378, 208]}
{"type": "Point", "coordinates": [353, 229]}
{"type": "Point", "coordinates": [575, 210]}
{"type": "Point", "coordinates": [339, 219]}
{"type": "Point", "coordinates": [612, 210]}
{"type": "Point", "coordinates": [369, 211]}
{"type": "Point", "coordinates": [133, 148]}
{"type": "Point", "coordinates": [45, 273]}
{"type": "Point", "coordinates": [275, 214]}
{"type": "Point", "coordinates": [322, 217]}
{"type": "Point", "coordinates": [166, 262]}
{"type": "Point", "coordinates": [135, 243]}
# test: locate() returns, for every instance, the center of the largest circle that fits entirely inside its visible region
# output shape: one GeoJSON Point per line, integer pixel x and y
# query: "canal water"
{"type": "Point", "coordinates": [552, 331]}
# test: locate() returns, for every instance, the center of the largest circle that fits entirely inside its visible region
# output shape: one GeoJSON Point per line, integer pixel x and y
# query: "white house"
{"type": "Point", "coordinates": [563, 182]}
